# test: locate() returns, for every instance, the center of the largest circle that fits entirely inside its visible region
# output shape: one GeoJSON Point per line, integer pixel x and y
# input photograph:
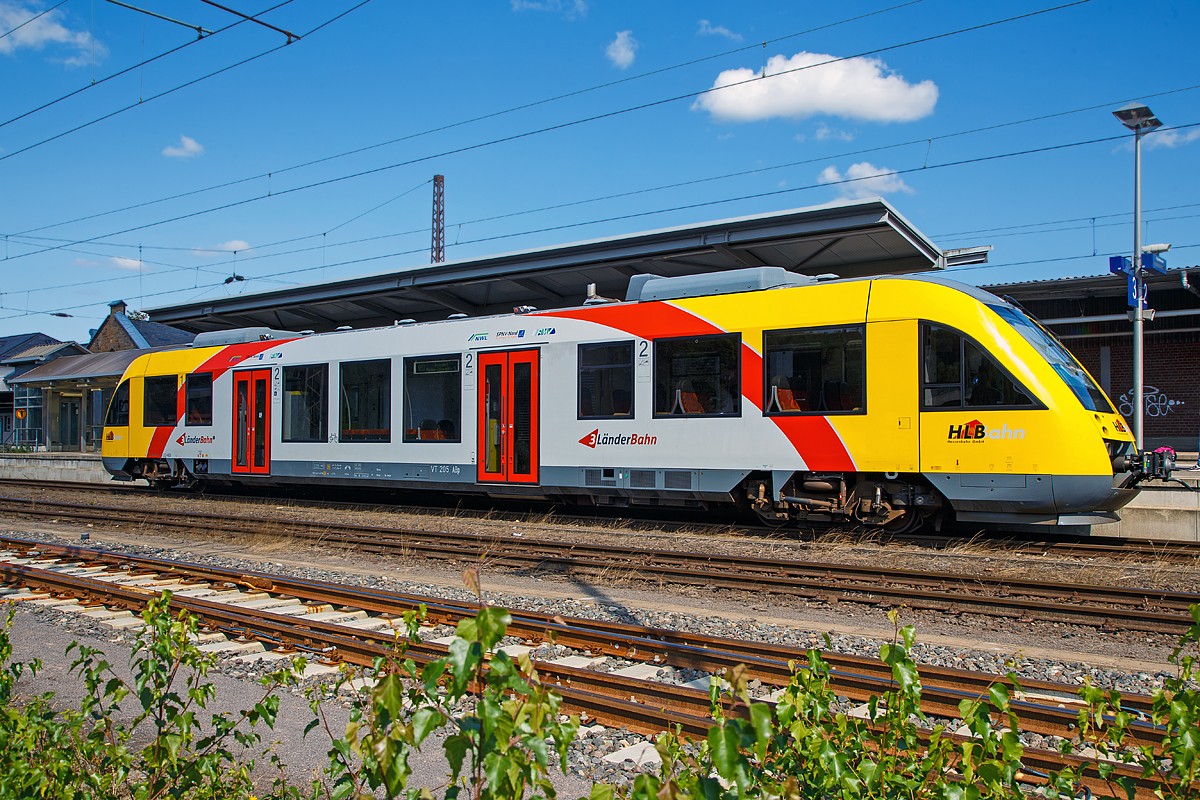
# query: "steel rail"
{"type": "Point", "coordinates": [854, 677]}
{"type": "Point", "coordinates": [633, 642]}
{"type": "Point", "coordinates": [1158, 549]}
{"type": "Point", "coordinates": [601, 695]}
{"type": "Point", "coordinates": [811, 580]}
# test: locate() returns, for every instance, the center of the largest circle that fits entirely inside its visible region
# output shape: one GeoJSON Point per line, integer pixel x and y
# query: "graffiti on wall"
{"type": "Point", "coordinates": [1157, 403]}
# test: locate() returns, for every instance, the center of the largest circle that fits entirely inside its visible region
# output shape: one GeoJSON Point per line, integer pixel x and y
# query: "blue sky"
{"type": "Point", "coordinates": [409, 82]}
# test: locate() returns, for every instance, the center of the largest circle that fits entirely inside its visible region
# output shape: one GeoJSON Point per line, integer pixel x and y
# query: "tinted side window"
{"type": "Point", "coordinates": [159, 404]}
{"type": "Point", "coordinates": [957, 373]}
{"type": "Point", "coordinates": [433, 399]}
{"type": "Point", "coordinates": [305, 403]}
{"type": "Point", "coordinates": [118, 408]}
{"type": "Point", "coordinates": [366, 401]}
{"type": "Point", "coordinates": [606, 380]}
{"type": "Point", "coordinates": [814, 371]}
{"type": "Point", "coordinates": [986, 382]}
{"type": "Point", "coordinates": [697, 376]}
{"type": "Point", "coordinates": [198, 405]}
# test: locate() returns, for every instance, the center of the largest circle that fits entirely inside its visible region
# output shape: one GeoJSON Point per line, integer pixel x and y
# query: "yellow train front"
{"type": "Point", "coordinates": [885, 402]}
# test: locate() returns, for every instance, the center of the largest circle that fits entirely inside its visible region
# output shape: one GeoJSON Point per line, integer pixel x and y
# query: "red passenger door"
{"type": "Point", "coordinates": [508, 416]}
{"type": "Point", "coordinates": [252, 421]}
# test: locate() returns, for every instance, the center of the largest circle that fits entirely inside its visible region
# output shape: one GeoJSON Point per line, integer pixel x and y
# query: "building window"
{"type": "Point", "coordinates": [27, 404]}
{"type": "Point", "coordinates": [958, 373]}
{"type": "Point", "coordinates": [698, 376]}
{"type": "Point", "coordinates": [606, 380]}
{"type": "Point", "coordinates": [433, 399]}
{"type": "Point", "coordinates": [305, 399]}
{"type": "Point", "coordinates": [160, 406]}
{"type": "Point", "coordinates": [118, 407]}
{"type": "Point", "coordinates": [815, 371]}
{"type": "Point", "coordinates": [198, 403]}
{"type": "Point", "coordinates": [366, 398]}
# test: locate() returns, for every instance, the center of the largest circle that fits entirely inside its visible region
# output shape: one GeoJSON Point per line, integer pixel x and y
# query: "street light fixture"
{"type": "Point", "coordinates": [1141, 120]}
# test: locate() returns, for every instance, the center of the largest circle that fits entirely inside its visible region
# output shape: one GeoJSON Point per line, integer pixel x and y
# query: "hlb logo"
{"type": "Point", "coordinates": [619, 439]}
{"type": "Point", "coordinates": [975, 431]}
{"type": "Point", "coordinates": [972, 430]}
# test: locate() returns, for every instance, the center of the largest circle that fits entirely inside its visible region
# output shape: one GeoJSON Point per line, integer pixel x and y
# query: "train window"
{"type": "Point", "coordinates": [118, 408]}
{"type": "Point", "coordinates": [814, 371]}
{"type": "Point", "coordinates": [366, 405]}
{"type": "Point", "coordinates": [198, 400]}
{"type": "Point", "coordinates": [1059, 358]}
{"type": "Point", "coordinates": [160, 404]}
{"type": "Point", "coordinates": [942, 375]}
{"type": "Point", "coordinates": [433, 399]}
{"type": "Point", "coordinates": [698, 376]}
{"type": "Point", "coordinates": [957, 373]}
{"type": "Point", "coordinates": [606, 380]}
{"type": "Point", "coordinates": [305, 403]}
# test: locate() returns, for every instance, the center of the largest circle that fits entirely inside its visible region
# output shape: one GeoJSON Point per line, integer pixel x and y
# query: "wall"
{"type": "Point", "coordinates": [1171, 378]}
{"type": "Point", "coordinates": [111, 336]}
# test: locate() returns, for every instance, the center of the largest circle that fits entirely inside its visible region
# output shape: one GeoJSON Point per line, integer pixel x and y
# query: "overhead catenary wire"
{"type": "Point", "coordinates": [181, 86]}
{"type": "Point", "coordinates": [572, 123]}
{"type": "Point", "coordinates": [139, 65]}
{"type": "Point", "coordinates": [689, 206]}
{"type": "Point", "coordinates": [31, 19]}
{"type": "Point", "coordinates": [924, 167]}
{"type": "Point", "coordinates": [440, 128]}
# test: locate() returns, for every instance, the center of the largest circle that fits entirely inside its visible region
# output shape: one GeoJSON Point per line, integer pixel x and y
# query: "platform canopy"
{"type": "Point", "coordinates": [852, 240]}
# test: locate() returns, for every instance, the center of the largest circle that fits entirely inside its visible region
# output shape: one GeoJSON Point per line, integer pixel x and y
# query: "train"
{"type": "Point", "coordinates": [889, 402]}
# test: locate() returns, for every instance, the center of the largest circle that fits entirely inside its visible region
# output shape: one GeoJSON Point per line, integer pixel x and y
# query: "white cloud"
{"type": "Point", "coordinates": [571, 9]}
{"type": "Point", "coordinates": [620, 51]}
{"type": "Point", "coordinates": [125, 263]}
{"type": "Point", "coordinates": [232, 246]}
{"type": "Point", "coordinates": [723, 136]}
{"type": "Point", "coordinates": [825, 132]}
{"type": "Point", "coordinates": [83, 262]}
{"type": "Point", "coordinates": [49, 29]}
{"type": "Point", "coordinates": [857, 88]}
{"type": "Point", "coordinates": [708, 29]}
{"type": "Point", "coordinates": [866, 180]}
{"type": "Point", "coordinates": [1172, 138]}
{"type": "Point", "coordinates": [188, 148]}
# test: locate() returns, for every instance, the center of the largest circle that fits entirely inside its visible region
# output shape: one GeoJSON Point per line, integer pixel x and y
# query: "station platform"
{"type": "Point", "coordinates": [82, 467]}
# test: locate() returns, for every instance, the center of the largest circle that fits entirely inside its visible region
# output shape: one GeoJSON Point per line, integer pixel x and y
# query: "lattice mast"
{"type": "Point", "coordinates": [437, 251]}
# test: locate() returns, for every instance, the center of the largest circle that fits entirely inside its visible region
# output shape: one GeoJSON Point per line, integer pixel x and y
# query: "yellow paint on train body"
{"type": "Point", "coordinates": [895, 435]}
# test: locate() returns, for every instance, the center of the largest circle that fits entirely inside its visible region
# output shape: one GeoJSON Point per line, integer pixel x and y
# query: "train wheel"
{"type": "Point", "coordinates": [772, 519]}
{"type": "Point", "coordinates": [908, 520]}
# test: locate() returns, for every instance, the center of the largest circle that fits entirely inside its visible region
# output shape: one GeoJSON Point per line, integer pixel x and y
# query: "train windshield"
{"type": "Point", "coordinates": [1058, 357]}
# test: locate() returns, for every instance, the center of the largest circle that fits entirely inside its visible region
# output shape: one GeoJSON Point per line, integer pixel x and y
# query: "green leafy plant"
{"type": "Point", "coordinates": [502, 727]}
{"type": "Point", "coordinates": [88, 753]}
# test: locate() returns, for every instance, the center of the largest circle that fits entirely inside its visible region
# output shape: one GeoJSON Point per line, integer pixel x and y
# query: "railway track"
{"type": "Point", "coordinates": [1077, 547]}
{"type": "Point", "coordinates": [1105, 607]}
{"type": "Point", "coordinates": [351, 624]}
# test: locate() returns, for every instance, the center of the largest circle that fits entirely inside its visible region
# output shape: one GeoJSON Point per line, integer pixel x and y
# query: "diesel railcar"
{"type": "Point", "coordinates": [882, 401]}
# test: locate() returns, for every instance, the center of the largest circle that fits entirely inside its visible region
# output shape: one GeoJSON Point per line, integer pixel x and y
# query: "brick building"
{"type": "Point", "coordinates": [1089, 316]}
{"type": "Point", "coordinates": [119, 331]}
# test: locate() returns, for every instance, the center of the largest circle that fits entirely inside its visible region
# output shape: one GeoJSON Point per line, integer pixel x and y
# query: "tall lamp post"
{"type": "Point", "coordinates": [1141, 120]}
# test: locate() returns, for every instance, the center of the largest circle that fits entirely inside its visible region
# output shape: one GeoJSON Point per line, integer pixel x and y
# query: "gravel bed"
{"type": "Point", "coordinates": [971, 558]}
{"type": "Point", "coordinates": [1069, 673]}
{"type": "Point", "coordinates": [586, 753]}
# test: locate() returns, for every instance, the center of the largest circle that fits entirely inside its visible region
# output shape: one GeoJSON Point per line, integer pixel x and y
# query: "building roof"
{"type": "Point", "coordinates": [11, 345]}
{"type": "Point", "coordinates": [145, 334]}
{"type": "Point", "coordinates": [43, 352]}
{"type": "Point", "coordinates": [85, 367]}
{"type": "Point", "coordinates": [852, 240]}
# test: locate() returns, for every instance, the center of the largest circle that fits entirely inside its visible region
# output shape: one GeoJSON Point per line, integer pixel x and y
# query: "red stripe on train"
{"type": "Point", "coordinates": [813, 437]}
